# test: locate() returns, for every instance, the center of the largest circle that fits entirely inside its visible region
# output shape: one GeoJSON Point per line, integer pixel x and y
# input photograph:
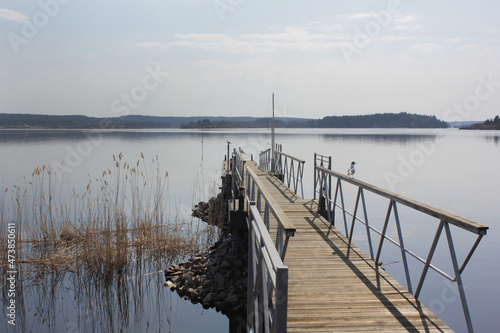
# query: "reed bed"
{"type": "Point", "coordinates": [119, 218]}
{"type": "Point", "coordinates": [104, 245]}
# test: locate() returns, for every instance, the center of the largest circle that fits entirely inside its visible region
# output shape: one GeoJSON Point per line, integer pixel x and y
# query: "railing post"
{"type": "Point", "coordinates": [329, 181]}
{"type": "Point", "coordinates": [402, 247]}
{"type": "Point", "coordinates": [458, 277]}
{"type": "Point", "coordinates": [251, 272]}
{"type": "Point", "coordinates": [382, 236]}
{"type": "Point", "coordinates": [241, 199]}
{"type": "Point", "coordinates": [318, 182]}
{"type": "Point", "coordinates": [367, 225]}
{"type": "Point", "coordinates": [315, 174]}
{"type": "Point", "coordinates": [353, 221]}
{"type": "Point", "coordinates": [429, 259]}
{"type": "Point", "coordinates": [321, 201]}
{"type": "Point", "coordinates": [233, 180]}
{"type": "Point", "coordinates": [281, 300]}
{"type": "Point", "coordinates": [339, 187]}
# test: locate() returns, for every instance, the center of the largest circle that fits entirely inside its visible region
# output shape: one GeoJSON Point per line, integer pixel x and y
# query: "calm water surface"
{"type": "Point", "coordinates": [453, 170]}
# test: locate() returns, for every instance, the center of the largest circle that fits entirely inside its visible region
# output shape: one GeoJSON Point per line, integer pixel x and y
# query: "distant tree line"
{"type": "Point", "coordinates": [489, 124]}
{"type": "Point", "coordinates": [384, 120]}
{"type": "Point", "coordinates": [257, 123]}
{"type": "Point", "coordinates": [379, 120]}
{"type": "Point", "coordinates": [76, 122]}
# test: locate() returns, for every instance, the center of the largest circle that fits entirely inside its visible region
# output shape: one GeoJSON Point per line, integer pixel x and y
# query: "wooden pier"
{"type": "Point", "coordinates": [327, 288]}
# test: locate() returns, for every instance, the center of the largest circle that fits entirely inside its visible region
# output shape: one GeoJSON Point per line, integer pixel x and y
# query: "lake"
{"type": "Point", "coordinates": [456, 171]}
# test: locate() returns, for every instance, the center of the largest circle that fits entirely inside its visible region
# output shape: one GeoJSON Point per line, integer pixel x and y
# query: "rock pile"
{"type": "Point", "coordinates": [201, 210]}
{"type": "Point", "coordinates": [215, 278]}
{"type": "Point", "coordinates": [214, 212]}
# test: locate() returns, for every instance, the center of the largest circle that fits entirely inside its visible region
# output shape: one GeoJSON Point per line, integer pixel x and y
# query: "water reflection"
{"type": "Point", "coordinates": [447, 178]}
{"type": "Point", "coordinates": [492, 138]}
{"type": "Point", "coordinates": [381, 138]}
{"type": "Point", "coordinates": [94, 260]}
{"type": "Point", "coordinates": [69, 136]}
{"type": "Point", "coordinates": [79, 300]}
{"type": "Point", "coordinates": [74, 298]}
{"type": "Point", "coordinates": [40, 136]}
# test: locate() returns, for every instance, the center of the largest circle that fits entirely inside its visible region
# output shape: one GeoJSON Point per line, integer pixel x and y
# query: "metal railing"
{"type": "Point", "coordinates": [267, 275]}
{"type": "Point", "coordinates": [265, 161]}
{"type": "Point", "coordinates": [266, 205]}
{"type": "Point", "coordinates": [323, 188]}
{"type": "Point", "coordinates": [289, 169]}
{"type": "Point", "coordinates": [324, 161]}
{"type": "Point", "coordinates": [267, 294]}
{"type": "Point", "coordinates": [238, 172]}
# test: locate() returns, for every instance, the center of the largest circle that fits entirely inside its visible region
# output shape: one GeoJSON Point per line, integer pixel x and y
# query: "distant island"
{"type": "Point", "coordinates": [490, 124]}
{"type": "Point", "coordinates": [379, 120]}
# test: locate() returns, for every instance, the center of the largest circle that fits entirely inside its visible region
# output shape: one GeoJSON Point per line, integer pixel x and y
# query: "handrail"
{"type": "Point", "coordinates": [267, 294]}
{"type": "Point", "coordinates": [323, 186]}
{"type": "Point", "coordinates": [267, 274]}
{"type": "Point", "coordinates": [461, 222]}
{"type": "Point", "coordinates": [265, 160]}
{"type": "Point", "coordinates": [322, 160]}
{"type": "Point", "coordinates": [290, 156]}
{"type": "Point", "coordinates": [239, 168]}
{"type": "Point", "coordinates": [254, 183]}
{"type": "Point", "coordinates": [288, 168]}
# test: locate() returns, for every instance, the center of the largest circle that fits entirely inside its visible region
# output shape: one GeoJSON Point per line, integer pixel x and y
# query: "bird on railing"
{"type": "Point", "coordinates": [351, 170]}
{"type": "Point", "coordinates": [241, 150]}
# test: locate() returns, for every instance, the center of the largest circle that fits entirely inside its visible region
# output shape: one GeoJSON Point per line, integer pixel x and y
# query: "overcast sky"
{"type": "Point", "coordinates": [226, 57]}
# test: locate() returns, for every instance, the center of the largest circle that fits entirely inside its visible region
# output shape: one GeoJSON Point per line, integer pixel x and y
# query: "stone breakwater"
{"type": "Point", "coordinates": [216, 278]}
{"type": "Point", "coordinates": [203, 209]}
{"type": "Point", "coordinates": [214, 212]}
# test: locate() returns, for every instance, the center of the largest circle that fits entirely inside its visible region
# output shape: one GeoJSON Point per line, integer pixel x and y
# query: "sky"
{"type": "Point", "coordinates": [108, 58]}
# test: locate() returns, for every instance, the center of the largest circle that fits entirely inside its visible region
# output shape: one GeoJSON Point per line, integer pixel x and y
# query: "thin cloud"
{"type": "Point", "coordinates": [12, 15]}
{"type": "Point", "coordinates": [427, 48]}
{"type": "Point", "coordinates": [360, 16]}
{"type": "Point", "coordinates": [396, 38]}
{"type": "Point", "coordinates": [404, 19]}
{"type": "Point", "coordinates": [288, 39]}
{"type": "Point", "coordinates": [455, 40]}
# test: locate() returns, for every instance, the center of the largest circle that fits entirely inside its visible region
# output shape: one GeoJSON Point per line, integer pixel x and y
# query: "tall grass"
{"type": "Point", "coordinates": [115, 229]}
{"type": "Point", "coordinates": [119, 216]}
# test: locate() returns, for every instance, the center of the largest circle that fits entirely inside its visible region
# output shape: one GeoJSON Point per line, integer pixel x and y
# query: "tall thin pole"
{"type": "Point", "coordinates": [202, 126]}
{"type": "Point", "coordinates": [273, 143]}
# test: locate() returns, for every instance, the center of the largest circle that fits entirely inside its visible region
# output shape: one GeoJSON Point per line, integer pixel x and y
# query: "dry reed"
{"type": "Point", "coordinates": [104, 245]}
{"type": "Point", "coordinates": [118, 218]}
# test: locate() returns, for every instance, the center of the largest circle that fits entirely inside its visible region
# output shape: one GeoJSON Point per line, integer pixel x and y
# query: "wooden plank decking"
{"type": "Point", "coordinates": [329, 292]}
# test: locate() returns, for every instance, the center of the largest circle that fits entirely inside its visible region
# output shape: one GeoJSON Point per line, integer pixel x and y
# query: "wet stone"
{"type": "Point", "coordinates": [214, 278]}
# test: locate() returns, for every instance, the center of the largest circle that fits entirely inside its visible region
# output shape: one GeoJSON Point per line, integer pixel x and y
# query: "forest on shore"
{"type": "Point", "coordinates": [489, 124]}
{"type": "Point", "coordinates": [379, 120]}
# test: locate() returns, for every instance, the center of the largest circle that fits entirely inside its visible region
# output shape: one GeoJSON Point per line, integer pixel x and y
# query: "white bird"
{"type": "Point", "coordinates": [241, 150]}
{"type": "Point", "coordinates": [351, 170]}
